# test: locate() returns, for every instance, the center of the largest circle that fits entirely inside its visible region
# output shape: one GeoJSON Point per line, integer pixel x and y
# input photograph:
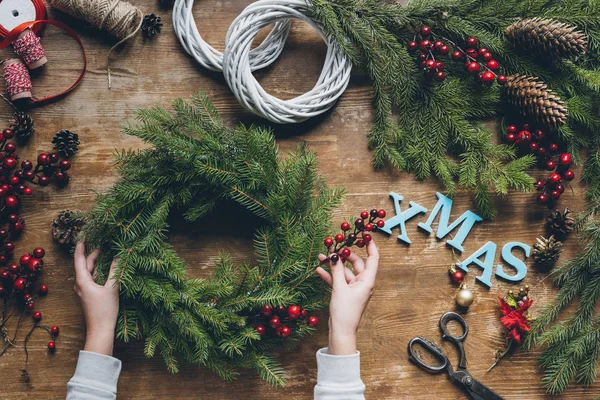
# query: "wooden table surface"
{"type": "Point", "coordinates": [413, 288]}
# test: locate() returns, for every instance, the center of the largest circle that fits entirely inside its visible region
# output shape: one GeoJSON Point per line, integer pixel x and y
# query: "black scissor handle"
{"type": "Point", "coordinates": [431, 348]}
{"type": "Point", "coordinates": [457, 340]}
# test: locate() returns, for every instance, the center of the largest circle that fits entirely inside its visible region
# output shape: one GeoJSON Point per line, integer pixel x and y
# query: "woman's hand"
{"type": "Point", "coordinates": [349, 298]}
{"type": "Point", "coordinates": [100, 304]}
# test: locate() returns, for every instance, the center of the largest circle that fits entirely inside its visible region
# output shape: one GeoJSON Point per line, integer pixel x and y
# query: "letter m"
{"type": "Point", "coordinates": [465, 221]}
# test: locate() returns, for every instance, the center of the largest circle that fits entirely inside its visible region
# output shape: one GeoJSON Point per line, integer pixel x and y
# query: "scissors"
{"type": "Point", "coordinates": [461, 376]}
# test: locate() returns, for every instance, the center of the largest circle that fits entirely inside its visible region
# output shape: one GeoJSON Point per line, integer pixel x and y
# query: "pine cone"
{"type": "Point", "coordinates": [22, 125]}
{"type": "Point", "coordinates": [545, 252]}
{"type": "Point", "coordinates": [151, 26]}
{"type": "Point", "coordinates": [67, 226]}
{"type": "Point", "coordinates": [66, 142]}
{"type": "Point", "coordinates": [534, 99]}
{"type": "Point", "coordinates": [547, 37]}
{"type": "Point", "coordinates": [560, 224]}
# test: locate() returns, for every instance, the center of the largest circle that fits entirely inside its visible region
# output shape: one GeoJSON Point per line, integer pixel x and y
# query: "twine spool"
{"type": "Point", "coordinates": [238, 60]}
{"type": "Point", "coordinates": [28, 48]}
{"type": "Point", "coordinates": [17, 79]}
{"type": "Point", "coordinates": [119, 18]}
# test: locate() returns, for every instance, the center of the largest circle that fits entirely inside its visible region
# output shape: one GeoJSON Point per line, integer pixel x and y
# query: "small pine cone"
{"type": "Point", "coordinates": [560, 224]}
{"type": "Point", "coordinates": [545, 252]}
{"type": "Point", "coordinates": [547, 37]}
{"type": "Point", "coordinates": [534, 99]}
{"type": "Point", "coordinates": [66, 142]}
{"type": "Point", "coordinates": [151, 25]}
{"type": "Point", "coordinates": [67, 226]}
{"type": "Point", "coordinates": [22, 125]}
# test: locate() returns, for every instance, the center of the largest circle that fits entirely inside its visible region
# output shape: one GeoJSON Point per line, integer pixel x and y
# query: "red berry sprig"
{"type": "Point", "coordinates": [478, 61]}
{"type": "Point", "coordinates": [49, 168]}
{"type": "Point", "coordinates": [547, 152]}
{"type": "Point", "coordinates": [19, 287]}
{"type": "Point", "coordinates": [280, 318]}
{"type": "Point", "coordinates": [359, 236]}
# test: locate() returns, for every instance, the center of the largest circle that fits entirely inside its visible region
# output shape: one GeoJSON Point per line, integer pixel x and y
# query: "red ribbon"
{"type": "Point", "coordinates": [36, 25]}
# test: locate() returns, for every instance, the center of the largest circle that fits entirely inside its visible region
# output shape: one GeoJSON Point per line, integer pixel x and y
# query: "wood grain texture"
{"type": "Point", "coordinates": [413, 288]}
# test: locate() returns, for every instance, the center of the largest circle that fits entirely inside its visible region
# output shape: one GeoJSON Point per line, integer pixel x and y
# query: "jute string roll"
{"type": "Point", "coordinates": [119, 18]}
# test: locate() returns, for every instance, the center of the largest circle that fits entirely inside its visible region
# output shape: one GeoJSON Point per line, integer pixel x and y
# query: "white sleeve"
{"type": "Point", "coordinates": [338, 377]}
{"type": "Point", "coordinates": [96, 377]}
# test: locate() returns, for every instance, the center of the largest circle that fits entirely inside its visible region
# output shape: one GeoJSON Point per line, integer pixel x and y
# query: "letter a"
{"type": "Point", "coordinates": [401, 217]}
{"type": "Point", "coordinates": [444, 208]}
{"type": "Point", "coordinates": [488, 251]}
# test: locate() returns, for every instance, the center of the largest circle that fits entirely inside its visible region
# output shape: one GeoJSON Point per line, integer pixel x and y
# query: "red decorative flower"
{"type": "Point", "coordinates": [515, 320]}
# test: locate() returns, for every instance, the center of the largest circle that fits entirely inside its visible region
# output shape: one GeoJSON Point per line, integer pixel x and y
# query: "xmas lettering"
{"type": "Point", "coordinates": [484, 257]}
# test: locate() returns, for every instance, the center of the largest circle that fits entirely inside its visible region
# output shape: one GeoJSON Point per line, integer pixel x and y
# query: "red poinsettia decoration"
{"type": "Point", "coordinates": [516, 321]}
{"type": "Point", "coordinates": [516, 318]}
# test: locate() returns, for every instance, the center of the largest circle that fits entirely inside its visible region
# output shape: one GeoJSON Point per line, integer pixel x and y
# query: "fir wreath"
{"type": "Point", "coordinates": [196, 165]}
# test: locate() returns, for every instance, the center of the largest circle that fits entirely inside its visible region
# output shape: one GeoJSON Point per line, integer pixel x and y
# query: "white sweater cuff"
{"type": "Point", "coordinates": [95, 373]}
{"type": "Point", "coordinates": [338, 377]}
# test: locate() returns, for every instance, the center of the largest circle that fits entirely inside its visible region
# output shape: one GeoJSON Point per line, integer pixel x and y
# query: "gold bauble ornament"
{"type": "Point", "coordinates": [464, 298]}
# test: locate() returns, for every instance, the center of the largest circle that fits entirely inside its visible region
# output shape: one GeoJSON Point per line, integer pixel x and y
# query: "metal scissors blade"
{"type": "Point", "coordinates": [478, 391]}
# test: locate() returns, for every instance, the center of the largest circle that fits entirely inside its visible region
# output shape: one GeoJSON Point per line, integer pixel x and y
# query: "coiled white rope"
{"type": "Point", "coordinates": [238, 60]}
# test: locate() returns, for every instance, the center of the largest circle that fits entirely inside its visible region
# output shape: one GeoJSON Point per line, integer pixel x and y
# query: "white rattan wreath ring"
{"type": "Point", "coordinates": [238, 61]}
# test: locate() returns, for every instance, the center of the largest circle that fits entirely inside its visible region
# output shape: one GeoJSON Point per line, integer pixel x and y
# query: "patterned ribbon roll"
{"type": "Point", "coordinates": [17, 79]}
{"type": "Point", "coordinates": [13, 76]}
{"type": "Point", "coordinates": [28, 47]}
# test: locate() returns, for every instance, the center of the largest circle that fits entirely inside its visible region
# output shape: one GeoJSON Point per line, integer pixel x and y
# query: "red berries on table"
{"type": "Point", "coordinates": [51, 346]}
{"type": "Point", "coordinates": [312, 321]}
{"type": "Point", "coordinates": [260, 329]}
{"type": "Point", "coordinates": [346, 252]}
{"type": "Point", "coordinates": [39, 252]}
{"type": "Point", "coordinates": [565, 159]}
{"type": "Point", "coordinates": [472, 67]}
{"type": "Point", "coordinates": [381, 213]}
{"type": "Point", "coordinates": [8, 133]}
{"type": "Point", "coordinates": [412, 45]}
{"type": "Point", "coordinates": [345, 226]}
{"type": "Point", "coordinates": [542, 199]}
{"type": "Point", "coordinates": [285, 331]}
{"type": "Point", "coordinates": [554, 178]}
{"type": "Point", "coordinates": [364, 215]}
{"type": "Point", "coordinates": [457, 55]}
{"type": "Point", "coordinates": [37, 316]}
{"type": "Point", "coordinates": [43, 159]}
{"type": "Point", "coordinates": [425, 30]}
{"type": "Point", "coordinates": [492, 64]}
{"type": "Point", "coordinates": [471, 42]}
{"type": "Point", "coordinates": [569, 175]}
{"type": "Point", "coordinates": [539, 185]}
{"type": "Point", "coordinates": [380, 223]}
{"type": "Point", "coordinates": [43, 290]}
{"type": "Point", "coordinates": [334, 258]}
{"type": "Point", "coordinates": [20, 284]}
{"type": "Point", "coordinates": [550, 165]}
{"type": "Point", "coordinates": [339, 238]}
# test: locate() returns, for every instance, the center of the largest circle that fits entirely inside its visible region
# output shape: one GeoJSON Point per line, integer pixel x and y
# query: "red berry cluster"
{"type": "Point", "coordinates": [49, 167]}
{"type": "Point", "coordinates": [549, 156]}
{"type": "Point", "coordinates": [18, 282]}
{"type": "Point", "coordinates": [478, 61]}
{"type": "Point", "coordinates": [368, 222]}
{"type": "Point", "coordinates": [279, 318]}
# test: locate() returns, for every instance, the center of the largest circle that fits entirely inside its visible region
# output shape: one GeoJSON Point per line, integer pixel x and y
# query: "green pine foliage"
{"type": "Point", "coordinates": [434, 130]}
{"type": "Point", "coordinates": [196, 166]}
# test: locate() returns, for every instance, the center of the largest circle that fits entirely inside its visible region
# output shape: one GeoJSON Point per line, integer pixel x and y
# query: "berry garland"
{"type": "Point", "coordinates": [18, 286]}
{"type": "Point", "coordinates": [478, 61]}
{"type": "Point", "coordinates": [198, 166]}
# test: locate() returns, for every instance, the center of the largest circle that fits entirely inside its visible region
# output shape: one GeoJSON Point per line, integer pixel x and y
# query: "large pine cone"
{"type": "Point", "coordinates": [67, 226]}
{"type": "Point", "coordinates": [547, 37]}
{"type": "Point", "coordinates": [534, 99]}
{"type": "Point", "coordinates": [561, 224]}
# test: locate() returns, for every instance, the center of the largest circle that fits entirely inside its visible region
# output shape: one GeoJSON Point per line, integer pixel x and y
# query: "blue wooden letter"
{"type": "Point", "coordinates": [513, 261]}
{"type": "Point", "coordinates": [444, 205]}
{"type": "Point", "coordinates": [401, 217]}
{"type": "Point", "coordinates": [488, 251]}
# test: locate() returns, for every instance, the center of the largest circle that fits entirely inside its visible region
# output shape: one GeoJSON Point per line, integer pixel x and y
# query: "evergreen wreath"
{"type": "Point", "coordinates": [195, 166]}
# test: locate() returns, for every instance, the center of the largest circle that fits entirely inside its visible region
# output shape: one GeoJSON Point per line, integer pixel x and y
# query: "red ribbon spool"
{"type": "Point", "coordinates": [18, 11]}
